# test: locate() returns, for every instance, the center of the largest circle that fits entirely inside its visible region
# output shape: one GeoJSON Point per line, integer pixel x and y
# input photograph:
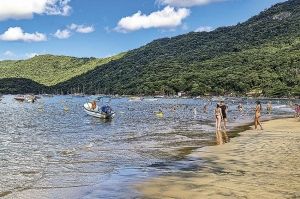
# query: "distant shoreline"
{"type": "Point", "coordinates": [161, 96]}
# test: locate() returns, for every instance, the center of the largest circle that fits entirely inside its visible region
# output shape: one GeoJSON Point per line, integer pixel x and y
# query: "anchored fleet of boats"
{"type": "Point", "coordinates": [101, 109]}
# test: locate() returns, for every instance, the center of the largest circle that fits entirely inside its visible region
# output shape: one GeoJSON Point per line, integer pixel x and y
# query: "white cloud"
{"type": "Point", "coordinates": [62, 34]}
{"type": "Point", "coordinates": [107, 29]}
{"type": "Point", "coordinates": [87, 29]}
{"type": "Point", "coordinates": [9, 53]}
{"type": "Point", "coordinates": [81, 28]}
{"type": "Point", "coordinates": [25, 9]}
{"type": "Point", "coordinates": [66, 33]}
{"type": "Point", "coordinates": [31, 55]}
{"type": "Point", "coordinates": [73, 26]}
{"type": "Point", "coordinates": [186, 3]}
{"type": "Point", "coordinates": [58, 7]}
{"type": "Point", "coordinates": [17, 34]}
{"type": "Point", "coordinates": [204, 29]}
{"type": "Point", "coordinates": [169, 17]}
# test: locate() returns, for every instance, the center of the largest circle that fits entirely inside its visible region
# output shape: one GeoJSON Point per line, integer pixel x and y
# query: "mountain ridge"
{"type": "Point", "coordinates": [234, 59]}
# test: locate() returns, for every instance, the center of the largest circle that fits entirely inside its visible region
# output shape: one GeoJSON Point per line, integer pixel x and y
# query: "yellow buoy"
{"type": "Point", "coordinates": [159, 114]}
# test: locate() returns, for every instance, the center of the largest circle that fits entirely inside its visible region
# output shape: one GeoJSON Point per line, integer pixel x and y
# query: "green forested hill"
{"type": "Point", "coordinates": [49, 69]}
{"type": "Point", "coordinates": [262, 53]}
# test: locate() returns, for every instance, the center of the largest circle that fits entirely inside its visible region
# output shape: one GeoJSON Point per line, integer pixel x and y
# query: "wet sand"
{"type": "Point", "coordinates": [257, 164]}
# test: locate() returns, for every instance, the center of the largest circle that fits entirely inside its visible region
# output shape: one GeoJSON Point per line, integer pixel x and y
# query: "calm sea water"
{"type": "Point", "coordinates": [52, 149]}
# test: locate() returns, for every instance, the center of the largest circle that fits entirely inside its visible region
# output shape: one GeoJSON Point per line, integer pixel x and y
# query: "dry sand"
{"type": "Point", "coordinates": [257, 164]}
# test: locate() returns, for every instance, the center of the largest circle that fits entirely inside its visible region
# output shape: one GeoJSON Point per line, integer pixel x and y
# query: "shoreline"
{"type": "Point", "coordinates": [233, 129]}
{"type": "Point", "coordinates": [261, 164]}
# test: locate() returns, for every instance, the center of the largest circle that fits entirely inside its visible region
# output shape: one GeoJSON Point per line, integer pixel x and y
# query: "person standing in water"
{"type": "Point", "coordinates": [224, 113]}
{"type": "Point", "coordinates": [218, 115]}
{"type": "Point", "coordinates": [195, 110]}
{"type": "Point", "coordinates": [240, 107]}
{"type": "Point", "coordinates": [269, 107]}
{"type": "Point", "coordinates": [205, 108]}
{"type": "Point", "coordinates": [258, 109]}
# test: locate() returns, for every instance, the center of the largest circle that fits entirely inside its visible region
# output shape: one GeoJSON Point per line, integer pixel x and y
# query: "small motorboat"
{"type": "Point", "coordinates": [31, 98]}
{"type": "Point", "coordinates": [20, 98]}
{"type": "Point", "coordinates": [135, 99]}
{"type": "Point", "coordinates": [151, 99]}
{"type": "Point", "coordinates": [105, 112]}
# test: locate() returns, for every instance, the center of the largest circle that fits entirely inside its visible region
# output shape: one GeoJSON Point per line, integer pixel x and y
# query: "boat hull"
{"type": "Point", "coordinates": [97, 114]}
{"type": "Point", "coordinates": [21, 99]}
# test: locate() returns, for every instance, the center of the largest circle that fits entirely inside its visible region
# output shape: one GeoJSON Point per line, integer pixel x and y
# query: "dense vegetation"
{"type": "Point", "coordinates": [261, 54]}
{"type": "Point", "coordinates": [49, 69]}
{"type": "Point", "coordinates": [20, 85]}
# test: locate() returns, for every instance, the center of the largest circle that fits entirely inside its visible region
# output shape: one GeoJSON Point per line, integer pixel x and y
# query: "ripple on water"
{"type": "Point", "coordinates": [54, 144]}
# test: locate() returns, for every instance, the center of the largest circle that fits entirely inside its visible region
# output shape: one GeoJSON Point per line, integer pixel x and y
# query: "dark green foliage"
{"type": "Point", "coordinates": [261, 54]}
{"type": "Point", "coordinates": [20, 85]}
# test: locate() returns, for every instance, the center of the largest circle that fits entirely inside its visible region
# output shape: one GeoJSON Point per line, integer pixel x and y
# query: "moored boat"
{"type": "Point", "coordinates": [135, 99]}
{"type": "Point", "coordinates": [20, 98]}
{"type": "Point", "coordinates": [104, 112]}
{"type": "Point", "coordinates": [28, 98]}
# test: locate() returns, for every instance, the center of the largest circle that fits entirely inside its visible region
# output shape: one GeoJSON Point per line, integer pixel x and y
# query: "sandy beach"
{"type": "Point", "coordinates": [257, 164]}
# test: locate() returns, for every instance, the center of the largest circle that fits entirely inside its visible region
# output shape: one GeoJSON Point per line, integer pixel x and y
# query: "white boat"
{"type": "Point", "coordinates": [30, 98]}
{"type": "Point", "coordinates": [20, 98]}
{"type": "Point", "coordinates": [135, 99]}
{"type": "Point", "coordinates": [151, 99]}
{"type": "Point", "coordinates": [159, 96]}
{"type": "Point", "coordinates": [105, 112]}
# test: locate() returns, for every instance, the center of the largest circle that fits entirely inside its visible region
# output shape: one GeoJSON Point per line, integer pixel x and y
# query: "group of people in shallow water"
{"type": "Point", "coordinates": [221, 114]}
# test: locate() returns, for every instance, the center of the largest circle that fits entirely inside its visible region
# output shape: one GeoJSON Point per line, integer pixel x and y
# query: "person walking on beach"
{"type": "Point", "coordinates": [258, 109]}
{"type": "Point", "coordinates": [218, 115]}
{"type": "Point", "coordinates": [224, 113]}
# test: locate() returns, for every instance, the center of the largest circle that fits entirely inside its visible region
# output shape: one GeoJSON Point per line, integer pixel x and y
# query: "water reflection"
{"type": "Point", "coordinates": [53, 143]}
{"type": "Point", "coordinates": [221, 137]}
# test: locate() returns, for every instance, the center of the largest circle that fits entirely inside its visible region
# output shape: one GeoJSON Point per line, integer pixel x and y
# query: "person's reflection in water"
{"type": "Point", "coordinates": [221, 137]}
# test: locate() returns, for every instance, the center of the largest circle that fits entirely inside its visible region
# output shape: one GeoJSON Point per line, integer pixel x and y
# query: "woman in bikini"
{"type": "Point", "coordinates": [257, 115]}
{"type": "Point", "coordinates": [218, 115]}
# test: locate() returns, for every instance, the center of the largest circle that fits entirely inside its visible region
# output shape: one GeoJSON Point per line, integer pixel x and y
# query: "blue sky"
{"type": "Point", "coordinates": [101, 28]}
